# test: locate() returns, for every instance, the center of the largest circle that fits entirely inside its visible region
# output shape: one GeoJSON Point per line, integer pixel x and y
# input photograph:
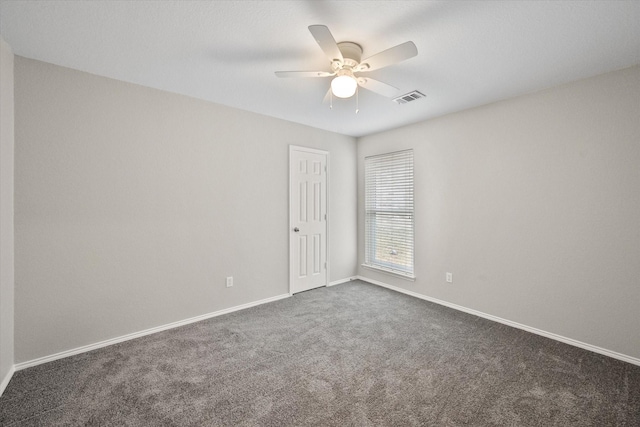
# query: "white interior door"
{"type": "Point", "coordinates": [308, 218]}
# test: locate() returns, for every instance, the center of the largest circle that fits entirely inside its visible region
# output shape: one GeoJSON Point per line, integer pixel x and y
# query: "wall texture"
{"type": "Point", "coordinates": [533, 204]}
{"type": "Point", "coordinates": [6, 213]}
{"type": "Point", "coordinates": [132, 205]}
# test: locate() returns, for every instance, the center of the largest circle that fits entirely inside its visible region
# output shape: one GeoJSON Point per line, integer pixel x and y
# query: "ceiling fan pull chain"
{"type": "Point", "coordinates": [357, 100]}
{"type": "Point", "coordinates": [331, 100]}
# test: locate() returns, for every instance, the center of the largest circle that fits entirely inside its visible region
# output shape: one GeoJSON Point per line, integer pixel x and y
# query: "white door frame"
{"type": "Point", "coordinates": [327, 246]}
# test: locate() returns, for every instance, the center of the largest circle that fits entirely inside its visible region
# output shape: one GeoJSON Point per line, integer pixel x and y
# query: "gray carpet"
{"type": "Point", "coordinates": [350, 355]}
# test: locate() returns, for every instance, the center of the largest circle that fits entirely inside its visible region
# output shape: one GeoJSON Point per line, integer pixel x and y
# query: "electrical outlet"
{"type": "Point", "coordinates": [449, 277]}
{"type": "Point", "coordinates": [229, 281]}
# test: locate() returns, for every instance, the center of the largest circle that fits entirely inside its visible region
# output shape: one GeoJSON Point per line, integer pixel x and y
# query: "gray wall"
{"type": "Point", "coordinates": [133, 204]}
{"type": "Point", "coordinates": [533, 204]}
{"type": "Point", "coordinates": [6, 210]}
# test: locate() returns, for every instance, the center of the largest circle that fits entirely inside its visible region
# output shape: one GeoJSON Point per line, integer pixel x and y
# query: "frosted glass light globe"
{"type": "Point", "coordinates": [344, 86]}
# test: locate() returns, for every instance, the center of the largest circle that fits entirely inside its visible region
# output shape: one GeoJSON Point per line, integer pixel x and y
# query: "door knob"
{"type": "Point", "coordinates": [296, 229]}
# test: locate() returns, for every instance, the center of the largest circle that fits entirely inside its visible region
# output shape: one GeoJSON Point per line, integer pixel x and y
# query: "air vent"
{"type": "Point", "coordinates": [408, 97]}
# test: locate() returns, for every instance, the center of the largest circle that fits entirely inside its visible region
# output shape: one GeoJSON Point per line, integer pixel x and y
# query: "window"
{"type": "Point", "coordinates": [389, 212]}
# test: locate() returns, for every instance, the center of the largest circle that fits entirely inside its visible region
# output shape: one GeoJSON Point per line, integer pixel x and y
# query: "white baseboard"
{"type": "Point", "coordinates": [6, 379]}
{"type": "Point", "coordinates": [338, 282]}
{"type": "Point", "coordinates": [105, 343]}
{"type": "Point", "coordinates": [570, 341]}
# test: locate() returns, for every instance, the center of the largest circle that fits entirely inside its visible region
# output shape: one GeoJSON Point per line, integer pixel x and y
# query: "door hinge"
{"type": "Point", "coordinates": [325, 217]}
{"type": "Point", "coordinates": [325, 168]}
{"type": "Point", "coordinates": [325, 265]}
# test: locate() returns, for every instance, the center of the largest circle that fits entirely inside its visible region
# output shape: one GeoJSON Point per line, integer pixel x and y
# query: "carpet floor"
{"type": "Point", "coordinates": [349, 355]}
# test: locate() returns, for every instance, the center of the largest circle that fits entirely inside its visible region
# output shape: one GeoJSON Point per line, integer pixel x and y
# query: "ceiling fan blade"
{"type": "Point", "coordinates": [303, 74]}
{"type": "Point", "coordinates": [326, 41]}
{"type": "Point", "coordinates": [391, 56]}
{"type": "Point", "coordinates": [378, 87]}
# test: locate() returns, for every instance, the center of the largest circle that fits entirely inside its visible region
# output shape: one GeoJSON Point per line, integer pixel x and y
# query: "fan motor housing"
{"type": "Point", "coordinates": [351, 52]}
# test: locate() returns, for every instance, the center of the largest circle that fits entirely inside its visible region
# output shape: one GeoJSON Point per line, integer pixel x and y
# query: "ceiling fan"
{"type": "Point", "coordinates": [346, 65]}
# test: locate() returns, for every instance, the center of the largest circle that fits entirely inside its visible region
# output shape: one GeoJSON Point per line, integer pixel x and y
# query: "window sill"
{"type": "Point", "coordinates": [390, 272]}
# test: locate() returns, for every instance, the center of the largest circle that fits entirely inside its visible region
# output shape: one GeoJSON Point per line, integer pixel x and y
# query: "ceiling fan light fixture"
{"type": "Point", "coordinates": [344, 86]}
{"type": "Point", "coordinates": [346, 59]}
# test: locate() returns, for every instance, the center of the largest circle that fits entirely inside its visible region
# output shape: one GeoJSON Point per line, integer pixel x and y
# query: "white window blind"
{"type": "Point", "coordinates": [389, 212]}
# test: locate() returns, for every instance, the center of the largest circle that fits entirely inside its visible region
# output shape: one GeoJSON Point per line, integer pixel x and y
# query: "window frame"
{"type": "Point", "coordinates": [399, 163]}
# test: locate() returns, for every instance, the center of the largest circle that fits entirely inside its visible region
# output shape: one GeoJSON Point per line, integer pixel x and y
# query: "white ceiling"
{"type": "Point", "coordinates": [469, 53]}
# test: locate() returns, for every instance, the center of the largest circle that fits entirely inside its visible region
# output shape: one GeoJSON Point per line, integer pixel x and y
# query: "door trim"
{"type": "Point", "coordinates": [327, 245]}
